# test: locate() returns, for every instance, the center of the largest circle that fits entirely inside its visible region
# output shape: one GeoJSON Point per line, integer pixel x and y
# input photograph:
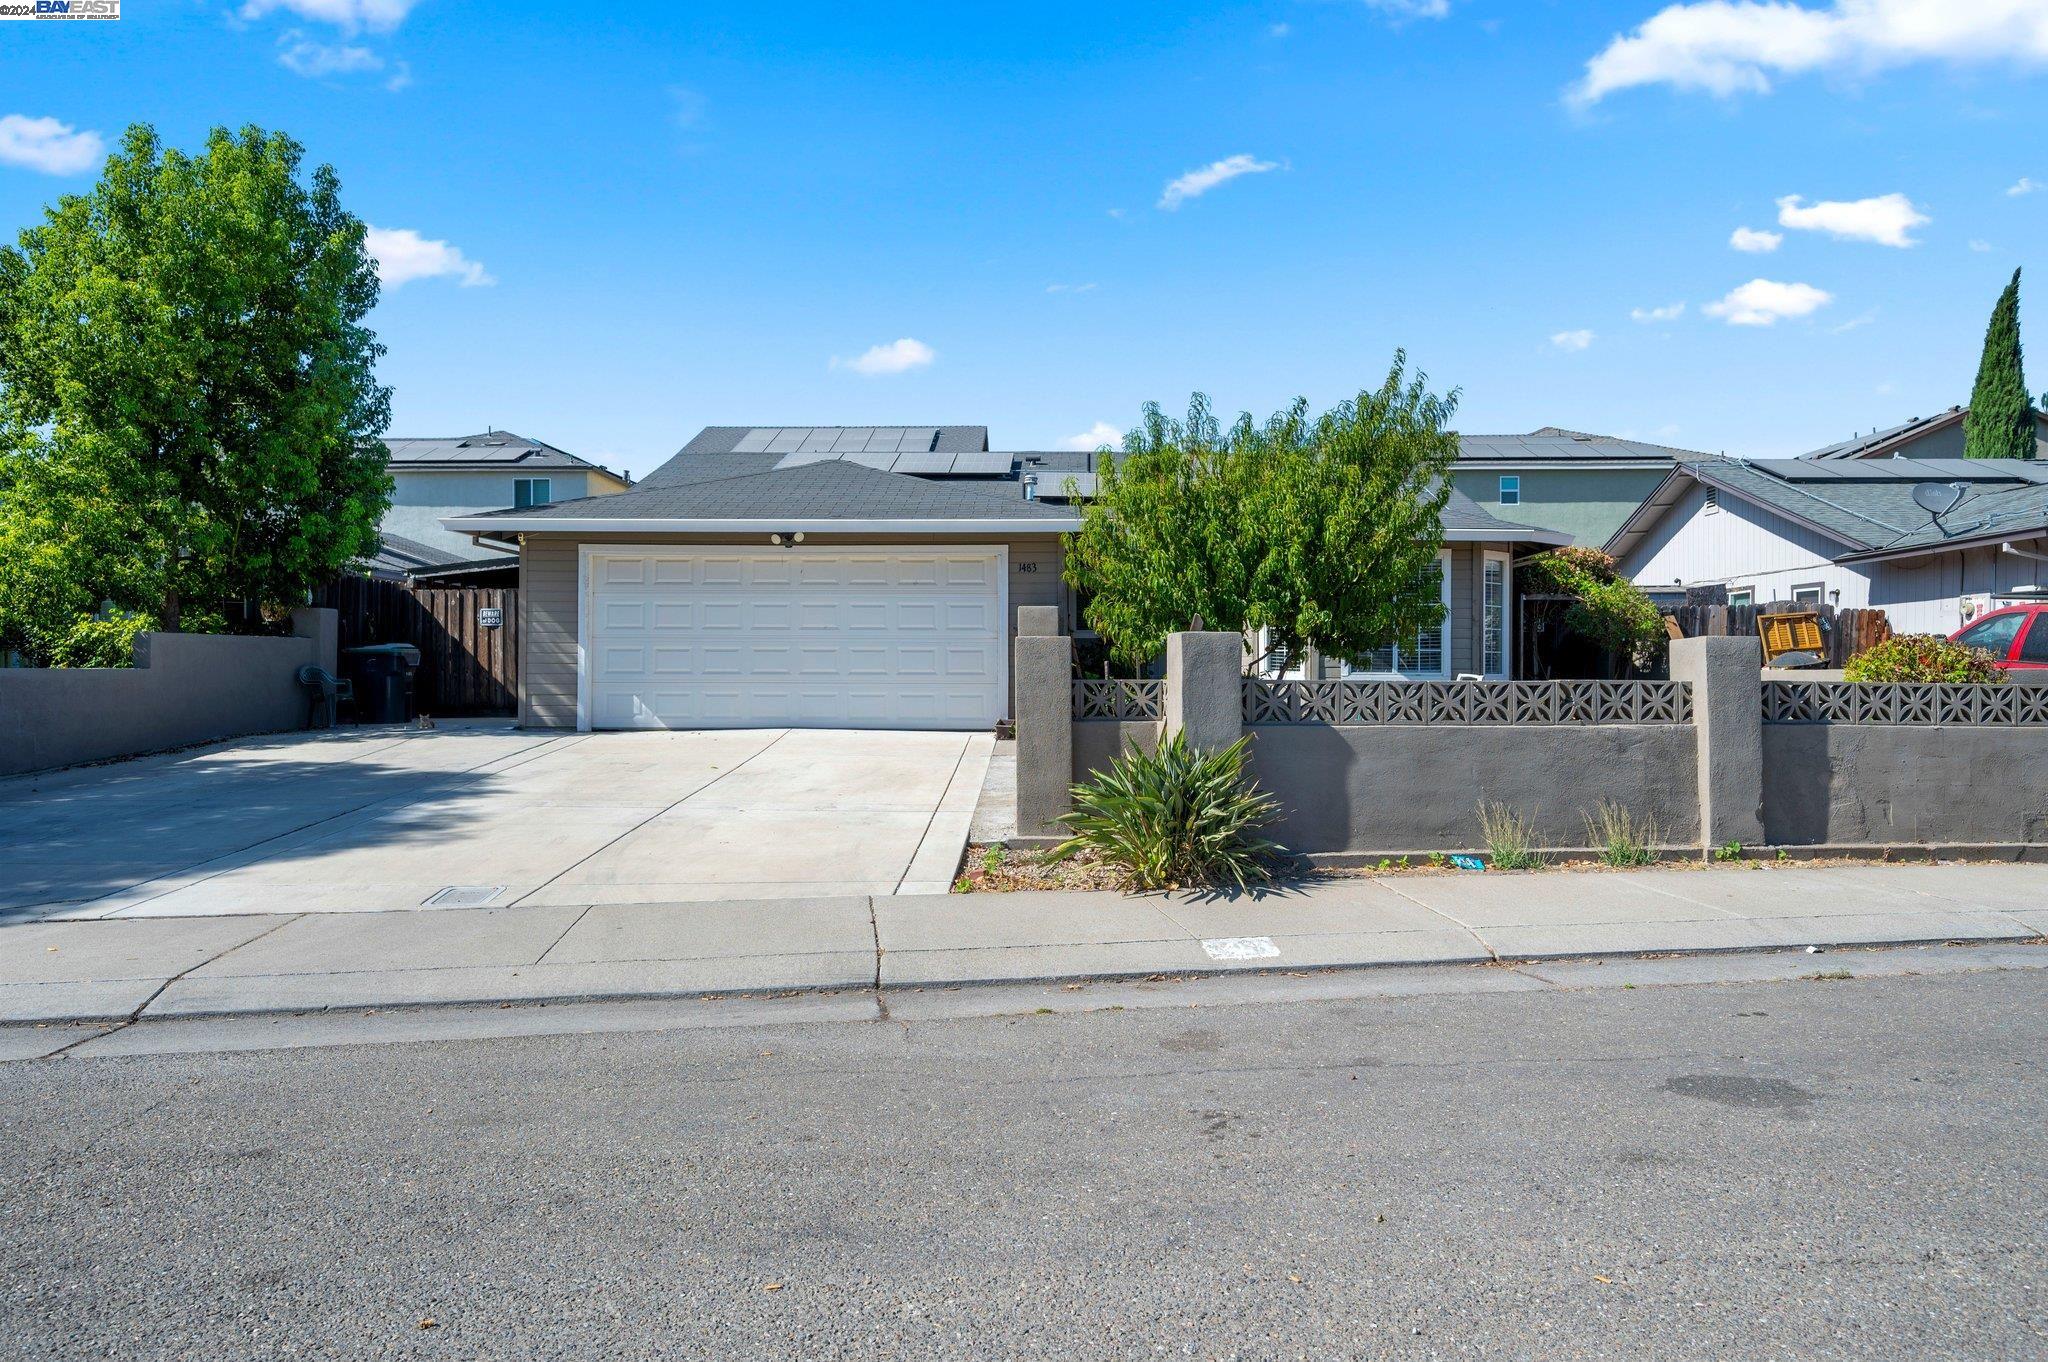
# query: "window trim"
{"type": "Point", "coordinates": [547, 489]}
{"type": "Point", "coordinates": [1401, 673]}
{"type": "Point", "coordinates": [1748, 594]}
{"type": "Point", "coordinates": [1487, 559]}
{"type": "Point", "coordinates": [1510, 490]}
{"type": "Point", "coordinates": [1819, 590]}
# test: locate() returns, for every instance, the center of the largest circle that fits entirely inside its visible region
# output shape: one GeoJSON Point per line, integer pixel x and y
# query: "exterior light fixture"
{"type": "Point", "coordinates": [783, 541]}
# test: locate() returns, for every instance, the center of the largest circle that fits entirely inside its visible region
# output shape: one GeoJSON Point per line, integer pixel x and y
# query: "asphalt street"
{"type": "Point", "coordinates": [1822, 1167]}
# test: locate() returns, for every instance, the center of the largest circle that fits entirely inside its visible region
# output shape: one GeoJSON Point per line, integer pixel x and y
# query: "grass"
{"type": "Point", "coordinates": [1623, 838]}
{"type": "Point", "coordinates": [1510, 838]}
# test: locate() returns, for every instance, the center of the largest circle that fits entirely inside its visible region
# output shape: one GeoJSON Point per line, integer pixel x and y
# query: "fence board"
{"type": "Point", "coordinates": [465, 668]}
{"type": "Point", "coordinates": [1846, 632]}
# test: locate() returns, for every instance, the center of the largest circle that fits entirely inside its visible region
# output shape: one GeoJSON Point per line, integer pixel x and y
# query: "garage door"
{"type": "Point", "coordinates": [742, 637]}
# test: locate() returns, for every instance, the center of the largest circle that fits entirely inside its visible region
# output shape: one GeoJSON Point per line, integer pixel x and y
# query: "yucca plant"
{"type": "Point", "coordinates": [1623, 838]}
{"type": "Point", "coordinates": [1175, 816]}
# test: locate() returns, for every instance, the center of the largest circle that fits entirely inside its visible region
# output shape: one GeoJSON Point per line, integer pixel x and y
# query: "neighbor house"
{"type": "Point", "coordinates": [1848, 532]}
{"type": "Point", "coordinates": [1585, 485]}
{"type": "Point", "coordinates": [435, 478]}
{"type": "Point", "coordinates": [1923, 437]}
{"type": "Point", "coordinates": [853, 576]}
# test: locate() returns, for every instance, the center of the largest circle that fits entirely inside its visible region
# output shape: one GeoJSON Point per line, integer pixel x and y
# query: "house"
{"type": "Point", "coordinates": [1923, 437]}
{"type": "Point", "coordinates": [1585, 485]}
{"type": "Point", "coordinates": [1850, 532]}
{"type": "Point", "coordinates": [435, 478]}
{"type": "Point", "coordinates": [850, 576]}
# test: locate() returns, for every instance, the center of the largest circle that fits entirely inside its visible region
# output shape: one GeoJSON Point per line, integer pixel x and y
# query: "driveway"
{"type": "Point", "coordinates": [479, 813]}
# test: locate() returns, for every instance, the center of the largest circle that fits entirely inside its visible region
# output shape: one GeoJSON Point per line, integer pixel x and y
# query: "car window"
{"type": "Point", "coordinates": [2034, 648]}
{"type": "Point", "coordinates": [1994, 635]}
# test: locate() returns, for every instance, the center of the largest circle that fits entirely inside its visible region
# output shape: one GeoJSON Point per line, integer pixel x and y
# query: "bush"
{"type": "Point", "coordinates": [106, 642]}
{"type": "Point", "coordinates": [1924, 657]}
{"type": "Point", "coordinates": [1608, 610]}
{"type": "Point", "coordinates": [1175, 817]}
{"type": "Point", "coordinates": [1623, 838]}
{"type": "Point", "coordinates": [1510, 838]}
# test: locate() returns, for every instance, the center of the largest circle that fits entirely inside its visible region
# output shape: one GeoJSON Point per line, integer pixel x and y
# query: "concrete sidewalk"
{"type": "Point", "coordinates": [123, 969]}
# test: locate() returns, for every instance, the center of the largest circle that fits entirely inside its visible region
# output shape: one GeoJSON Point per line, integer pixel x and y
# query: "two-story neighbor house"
{"type": "Point", "coordinates": [1922, 437]}
{"type": "Point", "coordinates": [435, 478]}
{"type": "Point", "coordinates": [852, 576]}
{"type": "Point", "coordinates": [1585, 485]}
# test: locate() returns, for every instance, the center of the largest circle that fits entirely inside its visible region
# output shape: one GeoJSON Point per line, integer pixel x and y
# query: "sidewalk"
{"type": "Point", "coordinates": [123, 969]}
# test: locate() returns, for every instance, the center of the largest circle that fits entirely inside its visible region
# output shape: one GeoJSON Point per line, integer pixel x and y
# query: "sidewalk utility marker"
{"type": "Point", "coordinates": [465, 895]}
{"type": "Point", "coordinates": [1240, 948]}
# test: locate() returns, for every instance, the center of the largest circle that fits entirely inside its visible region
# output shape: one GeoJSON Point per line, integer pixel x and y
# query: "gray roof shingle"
{"type": "Point", "coordinates": [1555, 444]}
{"type": "Point", "coordinates": [490, 449]}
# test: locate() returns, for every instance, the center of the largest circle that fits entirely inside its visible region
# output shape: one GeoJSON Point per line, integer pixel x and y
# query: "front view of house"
{"type": "Point", "coordinates": [848, 577]}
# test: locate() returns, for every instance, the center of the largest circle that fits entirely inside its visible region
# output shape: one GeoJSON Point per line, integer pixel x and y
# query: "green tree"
{"type": "Point", "coordinates": [1324, 530]}
{"type": "Point", "coordinates": [189, 413]}
{"type": "Point", "coordinates": [2000, 421]}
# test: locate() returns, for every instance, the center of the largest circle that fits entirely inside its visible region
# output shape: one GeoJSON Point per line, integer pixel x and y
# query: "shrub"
{"type": "Point", "coordinates": [1510, 838]}
{"type": "Point", "coordinates": [1924, 657]}
{"type": "Point", "coordinates": [106, 642]}
{"type": "Point", "coordinates": [1175, 816]}
{"type": "Point", "coordinates": [1610, 611]}
{"type": "Point", "coordinates": [1623, 838]}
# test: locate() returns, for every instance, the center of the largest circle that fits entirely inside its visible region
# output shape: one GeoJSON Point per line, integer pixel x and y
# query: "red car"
{"type": "Point", "coordinates": [2017, 635]}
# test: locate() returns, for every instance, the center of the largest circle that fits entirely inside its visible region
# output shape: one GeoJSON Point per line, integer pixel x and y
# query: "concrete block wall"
{"type": "Point", "coordinates": [183, 689]}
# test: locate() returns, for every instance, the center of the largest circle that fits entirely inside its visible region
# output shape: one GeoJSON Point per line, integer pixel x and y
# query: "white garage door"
{"type": "Point", "coordinates": [744, 637]}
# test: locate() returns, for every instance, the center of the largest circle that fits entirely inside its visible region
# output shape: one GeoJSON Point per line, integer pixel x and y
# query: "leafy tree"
{"type": "Point", "coordinates": [2000, 421]}
{"type": "Point", "coordinates": [1322, 529]}
{"type": "Point", "coordinates": [189, 415]}
{"type": "Point", "coordinates": [1607, 609]}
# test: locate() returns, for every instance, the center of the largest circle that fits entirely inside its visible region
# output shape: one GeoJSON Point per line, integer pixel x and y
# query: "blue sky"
{"type": "Point", "coordinates": [665, 215]}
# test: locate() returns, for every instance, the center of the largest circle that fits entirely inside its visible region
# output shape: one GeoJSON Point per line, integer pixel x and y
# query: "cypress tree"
{"type": "Point", "coordinates": [2000, 421]}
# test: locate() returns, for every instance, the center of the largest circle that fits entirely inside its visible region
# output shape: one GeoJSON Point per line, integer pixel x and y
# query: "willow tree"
{"type": "Point", "coordinates": [189, 413]}
{"type": "Point", "coordinates": [1322, 530]}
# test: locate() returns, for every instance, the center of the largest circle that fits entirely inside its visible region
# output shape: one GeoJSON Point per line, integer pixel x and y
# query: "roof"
{"type": "Point", "coordinates": [830, 494]}
{"type": "Point", "coordinates": [1556, 445]}
{"type": "Point", "coordinates": [845, 439]}
{"type": "Point", "coordinates": [1865, 505]}
{"type": "Point", "coordinates": [1892, 440]}
{"type": "Point", "coordinates": [490, 449]}
{"type": "Point", "coordinates": [1465, 520]}
{"type": "Point", "coordinates": [397, 554]}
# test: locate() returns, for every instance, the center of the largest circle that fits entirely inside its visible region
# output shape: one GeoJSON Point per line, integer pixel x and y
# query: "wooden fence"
{"type": "Point", "coordinates": [1845, 632]}
{"type": "Point", "coordinates": [466, 666]}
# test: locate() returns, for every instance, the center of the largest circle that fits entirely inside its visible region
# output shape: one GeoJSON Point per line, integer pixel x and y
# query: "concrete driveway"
{"type": "Point", "coordinates": [476, 814]}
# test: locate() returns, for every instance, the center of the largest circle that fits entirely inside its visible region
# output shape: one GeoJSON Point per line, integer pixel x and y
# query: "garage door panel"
{"type": "Point", "coordinates": [736, 636]}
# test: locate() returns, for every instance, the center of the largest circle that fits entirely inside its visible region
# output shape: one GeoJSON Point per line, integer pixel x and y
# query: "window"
{"type": "Point", "coordinates": [1809, 594]}
{"type": "Point", "coordinates": [1493, 616]}
{"type": "Point", "coordinates": [1741, 596]}
{"type": "Point", "coordinates": [2035, 648]}
{"type": "Point", "coordinates": [1510, 489]}
{"type": "Point", "coordinates": [1996, 634]}
{"type": "Point", "coordinates": [1427, 657]}
{"type": "Point", "coordinates": [530, 492]}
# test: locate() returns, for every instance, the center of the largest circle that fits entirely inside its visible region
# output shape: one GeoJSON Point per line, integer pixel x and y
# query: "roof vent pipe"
{"type": "Point", "coordinates": [1031, 487]}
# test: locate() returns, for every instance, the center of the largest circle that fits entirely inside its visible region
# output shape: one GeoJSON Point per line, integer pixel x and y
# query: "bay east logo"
{"type": "Point", "coordinates": [60, 9]}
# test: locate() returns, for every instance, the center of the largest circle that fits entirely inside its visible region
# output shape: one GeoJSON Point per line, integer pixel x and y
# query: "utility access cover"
{"type": "Point", "coordinates": [465, 895]}
{"type": "Point", "coordinates": [1240, 948]}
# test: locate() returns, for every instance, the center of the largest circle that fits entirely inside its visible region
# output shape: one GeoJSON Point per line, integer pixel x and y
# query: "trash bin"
{"type": "Point", "coordinates": [383, 681]}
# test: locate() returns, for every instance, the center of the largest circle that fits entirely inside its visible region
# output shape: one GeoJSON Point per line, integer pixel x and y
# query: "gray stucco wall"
{"type": "Point", "coordinates": [1589, 504]}
{"type": "Point", "coordinates": [1868, 784]}
{"type": "Point", "coordinates": [184, 688]}
{"type": "Point", "coordinates": [1097, 740]}
{"type": "Point", "coordinates": [548, 604]}
{"type": "Point", "coordinates": [1400, 787]}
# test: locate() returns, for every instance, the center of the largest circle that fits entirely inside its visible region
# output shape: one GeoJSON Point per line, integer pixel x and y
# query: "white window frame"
{"type": "Point", "coordinates": [546, 486]}
{"type": "Point", "coordinates": [1748, 594]}
{"type": "Point", "coordinates": [1818, 593]}
{"type": "Point", "coordinates": [1403, 673]}
{"type": "Point", "coordinates": [1510, 489]}
{"type": "Point", "coordinates": [1506, 667]}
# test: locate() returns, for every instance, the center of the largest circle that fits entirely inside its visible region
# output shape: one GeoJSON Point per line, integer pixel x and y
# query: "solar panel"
{"type": "Point", "coordinates": [819, 437]}
{"type": "Point", "coordinates": [788, 440]}
{"type": "Point", "coordinates": [756, 440]}
{"type": "Point", "coordinates": [917, 437]}
{"type": "Point", "coordinates": [924, 462]}
{"type": "Point", "coordinates": [870, 458]}
{"type": "Point", "coordinates": [981, 464]}
{"type": "Point", "coordinates": [853, 438]}
{"type": "Point", "coordinates": [886, 437]}
{"type": "Point", "coordinates": [808, 456]}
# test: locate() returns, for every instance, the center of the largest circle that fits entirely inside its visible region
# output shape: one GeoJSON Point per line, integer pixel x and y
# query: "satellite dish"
{"type": "Point", "coordinates": [1938, 498]}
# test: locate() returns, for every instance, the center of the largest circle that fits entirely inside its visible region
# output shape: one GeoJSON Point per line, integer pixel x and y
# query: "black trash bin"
{"type": "Point", "coordinates": [383, 679]}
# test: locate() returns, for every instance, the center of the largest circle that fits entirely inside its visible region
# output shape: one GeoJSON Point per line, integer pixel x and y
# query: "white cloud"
{"type": "Point", "coordinates": [1095, 437]}
{"type": "Point", "coordinates": [1279, 30]}
{"type": "Point", "coordinates": [1864, 320]}
{"type": "Point", "coordinates": [1196, 183]}
{"type": "Point", "coordinates": [49, 146]}
{"type": "Point", "coordinates": [1979, 246]}
{"type": "Point", "coordinates": [1411, 9]}
{"type": "Point", "coordinates": [1070, 288]}
{"type": "Point", "coordinates": [898, 356]}
{"type": "Point", "coordinates": [309, 57]}
{"type": "Point", "coordinates": [1668, 313]}
{"type": "Point", "coordinates": [1572, 340]}
{"type": "Point", "coordinates": [1885, 219]}
{"type": "Point", "coordinates": [1761, 302]}
{"type": "Point", "coordinates": [1754, 240]}
{"type": "Point", "coordinates": [2024, 186]}
{"type": "Point", "coordinates": [379, 16]}
{"type": "Point", "coordinates": [403, 255]}
{"type": "Point", "coordinates": [1730, 47]}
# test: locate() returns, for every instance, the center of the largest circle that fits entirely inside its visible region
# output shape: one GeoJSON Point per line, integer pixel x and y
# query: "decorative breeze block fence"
{"type": "Point", "coordinates": [1467, 702]}
{"type": "Point", "coordinates": [1838, 702]}
{"type": "Point", "coordinates": [1114, 699]}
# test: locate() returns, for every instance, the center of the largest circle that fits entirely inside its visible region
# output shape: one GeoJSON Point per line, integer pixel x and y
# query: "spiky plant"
{"type": "Point", "coordinates": [1175, 816]}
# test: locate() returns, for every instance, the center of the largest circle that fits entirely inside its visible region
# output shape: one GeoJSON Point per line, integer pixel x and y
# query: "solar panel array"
{"type": "Point", "coordinates": [837, 440]}
{"type": "Point", "coordinates": [924, 463]}
{"type": "Point", "coordinates": [1905, 470]}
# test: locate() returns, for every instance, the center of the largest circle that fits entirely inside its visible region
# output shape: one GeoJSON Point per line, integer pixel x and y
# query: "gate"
{"type": "Point", "coordinates": [467, 666]}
